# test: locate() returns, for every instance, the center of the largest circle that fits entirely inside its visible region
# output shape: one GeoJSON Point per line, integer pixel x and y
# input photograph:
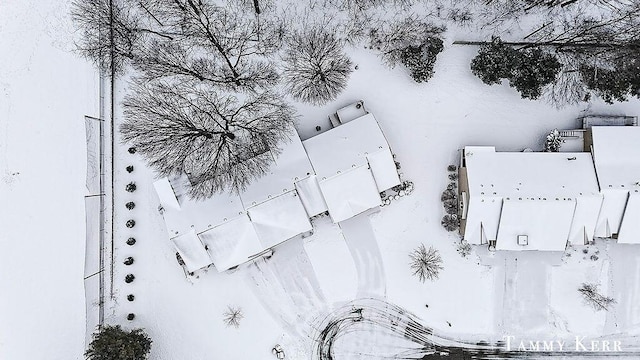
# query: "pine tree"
{"type": "Point", "coordinates": [114, 343]}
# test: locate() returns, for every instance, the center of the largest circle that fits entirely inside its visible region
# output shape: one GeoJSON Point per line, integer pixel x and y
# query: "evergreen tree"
{"type": "Point", "coordinates": [528, 70]}
{"type": "Point", "coordinates": [114, 343]}
{"type": "Point", "coordinates": [421, 59]}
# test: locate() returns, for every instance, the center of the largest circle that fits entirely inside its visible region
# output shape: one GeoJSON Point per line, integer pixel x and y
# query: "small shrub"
{"type": "Point", "coordinates": [593, 298]}
{"type": "Point", "coordinates": [426, 264]}
{"type": "Point", "coordinates": [594, 257]}
{"type": "Point", "coordinates": [131, 316]}
{"type": "Point", "coordinates": [130, 168]}
{"type": "Point", "coordinates": [129, 278]}
{"type": "Point", "coordinates": [131, 241]}
{"type": "Point", "coordinates": [553, 141]}
{"type": "Point", "coordinates": [132, 150]}
{"type": "Point", "coordinates": [128, 261]}
{"type": "Point", "coordinates": [232, 316]}
{"type": "Point", "coordinates": [130, 205]}
{"type": "Point", "coordinates": [452, 168]}
{"type": "Point", "coordinates": [448, 195]}
{"type": "Point", "coordinates": [450, 206]}
{"type": "Point", "coordinates": [131, 187]}
{"type": "Point", "coordinates": [464, 248]}
{"type": "Point", "coordinates": [130, 223]}
{"type": "Point", "coordinates": [452, 186]}
{"type": "Point", "coordinates": [450, 222]}
{"type": "Point", "coordinates": [130, 297]}
{"type": "Point", "coordinates": [113, 343]}
{"type": "Point", "coordinates": [585, 251]}
{"type": "Point", "coordinates": [453, 176]}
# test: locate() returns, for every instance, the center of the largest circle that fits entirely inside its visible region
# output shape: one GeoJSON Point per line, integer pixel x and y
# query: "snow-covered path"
{"type": "Point", "coordinates": [361, 240]}
{"type": "Point", "coordinates": [287, 287]}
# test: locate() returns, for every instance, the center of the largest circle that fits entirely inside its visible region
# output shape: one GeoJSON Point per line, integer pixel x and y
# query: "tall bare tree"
{"type": "Point", "coordinates": [220, 141]}
{"type": "Point", "coordinates": [316, 68]}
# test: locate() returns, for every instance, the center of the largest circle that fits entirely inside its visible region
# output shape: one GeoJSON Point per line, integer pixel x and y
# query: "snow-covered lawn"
{"type": "Point", "coordinates": [46, 91]}
{"type": "Point", "coordinates": [282, 298]}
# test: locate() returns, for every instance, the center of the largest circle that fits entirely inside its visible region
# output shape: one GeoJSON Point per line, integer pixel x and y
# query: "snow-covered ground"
{"type": "Point", "coordinates": [46, 91]}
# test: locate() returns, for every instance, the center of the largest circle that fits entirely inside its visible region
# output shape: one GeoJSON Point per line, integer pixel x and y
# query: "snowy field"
{"type": "Point", "coordinates": [46, 91]}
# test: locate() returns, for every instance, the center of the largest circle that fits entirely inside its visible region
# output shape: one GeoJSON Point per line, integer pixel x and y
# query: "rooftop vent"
{"type": "Point", "coordinates": [523, 240]}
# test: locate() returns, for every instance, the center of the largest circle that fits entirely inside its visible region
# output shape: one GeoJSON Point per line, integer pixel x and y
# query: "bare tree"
{"type": "Point", "coordinates": [426, 264]}
{"type": "Point", "coordinates": [219, 141]}
{"type": "Point", "coordinates": [594, 298]}
{"type": "Point", "coordinates": [316, 69]}
{"type": "Point", "coordinates": [232, 316]}
{"type": "Point", "coordinates": [110, 33]}
{"type": "Point", "coordinates": [224, 34]}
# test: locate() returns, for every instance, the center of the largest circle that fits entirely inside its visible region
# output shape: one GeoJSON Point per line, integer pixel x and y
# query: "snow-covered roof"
{"type": "Point", "coordinates": [546, 224]}
{"type": "Point", "coordinates": [630, 228]}
{"type": "Point", "coordinates": [350, 193]}
{"type": "Point", "coordinates": [616, 154]}
{"type": "Point", "coordinates": [513, 193]}
{"type": "Point", "coordinates": [279, 218]}
{"type": "Point", "coordinates": [191, 251]}
{"type": "Point", "coordinates": [612, 212]}
{"type": "Point", "coordinates": [201, 215]}
{"type": "Point", "coordinates": [311, 196]}
{"type": "Point", "coordinates": [350, 145]}
{"type": "Point", "coordinates": [291, 165]}
{"type": "Point", "coordinates": [231, 243]}
{"type": "Point", "coordinates": [166, 194]}
{"type": "Point", "coordinates": [526, 174]}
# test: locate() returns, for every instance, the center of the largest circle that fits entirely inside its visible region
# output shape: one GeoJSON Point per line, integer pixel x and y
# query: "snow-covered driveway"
{"type": "Point", "coordinates": [360, 238]}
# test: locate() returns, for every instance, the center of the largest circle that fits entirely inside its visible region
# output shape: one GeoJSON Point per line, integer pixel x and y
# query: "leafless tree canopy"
{"type": "Point", "coordinates": [594, 298]}
{"type": "Point", "coordinates": [316, 69]}
{"type": "Point", "coordinates": [192, 38]}
{"type": "Point", "coordinates": [110, 33]}
{"type": "Point", "coordinates": [426, 264]}
{"type": "Point", "coordinates": [220, 141]}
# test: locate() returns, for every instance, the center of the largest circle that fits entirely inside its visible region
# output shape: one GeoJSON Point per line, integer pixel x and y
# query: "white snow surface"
{"type": "Point", "coordinates": [45, 92]}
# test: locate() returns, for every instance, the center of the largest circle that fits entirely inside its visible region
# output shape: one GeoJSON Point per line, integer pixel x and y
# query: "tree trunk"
{"type": "Point", "coordinates": [256, 5]}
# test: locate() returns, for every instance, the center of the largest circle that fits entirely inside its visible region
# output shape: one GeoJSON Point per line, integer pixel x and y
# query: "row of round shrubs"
{"type": "Point", "coordinates": [130, 187]}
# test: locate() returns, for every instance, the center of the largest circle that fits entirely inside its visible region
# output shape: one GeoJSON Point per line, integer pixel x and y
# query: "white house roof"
{"type": "Point", "coordinates": [351, 145]}
{"type": "Point", "coordinates": [529, 174]}
{"type": "Point", "coordinates": [232, 243]}
{"type": "Point", "coordinates": [166, 194]}
{"type": "Point", "coordinates": [279, 219]}
{"type": "Point", "coordinates": [191, 251]}
{"type": "Point", "coordinates": [546, 224]}
{"type": "Point", "coordinates": [201, 215]}
{"type": "Point", "coordinates": [512, 193]}
{"type": "Point", "coordinates": [616, 154]}
{"type": "Point", "coordinates": [630, 228]}
{"type": "Point", "coordinates": [612, 211]}
{"type": "Point", "coordinates": [291, 165]}
{"type": "Point", "coordinates": [350, 193]}
{"type": "Point", "coordinates": [311, 196]}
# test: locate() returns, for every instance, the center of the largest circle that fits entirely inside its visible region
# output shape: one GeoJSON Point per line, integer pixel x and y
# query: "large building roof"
{"type": "Point", "coordinates": [548, 199]}
{"type": "Point", "coordinates": [356, 165]}
{"type": "Point", "coordinates": [359, 142]}
{"type": "Point", "coordinates": [616, 154]}
{"type": "Point", "coordinates": [539, 175]}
